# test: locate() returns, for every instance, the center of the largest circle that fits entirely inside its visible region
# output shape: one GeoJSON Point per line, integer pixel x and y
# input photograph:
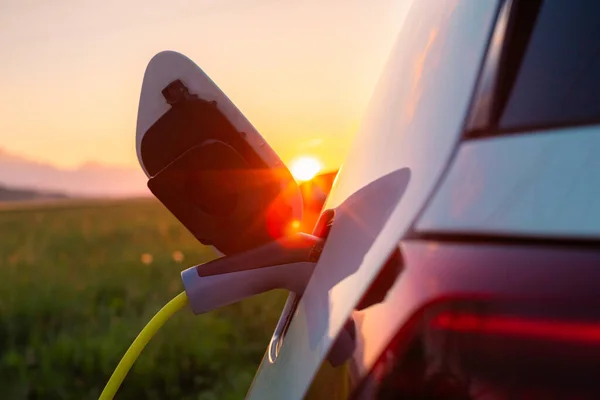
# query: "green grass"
{"type": "Point", "coordinates": [74, 293]}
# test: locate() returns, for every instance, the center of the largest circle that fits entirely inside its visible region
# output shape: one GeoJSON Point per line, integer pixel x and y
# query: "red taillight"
{"type": "Point", "coordinates": [521, 327]}
{"type": "Point", "coordinates": [492, 351]}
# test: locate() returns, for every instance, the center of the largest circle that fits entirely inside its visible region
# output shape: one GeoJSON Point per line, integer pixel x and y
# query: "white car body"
{"type": "Point", "coordinates": [402, 151]}
{"type": "Point", "coordinates": [409, 173]}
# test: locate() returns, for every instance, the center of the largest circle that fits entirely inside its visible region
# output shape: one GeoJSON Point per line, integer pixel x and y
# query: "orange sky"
{"type": "Point", "coordinates": [301, 71]}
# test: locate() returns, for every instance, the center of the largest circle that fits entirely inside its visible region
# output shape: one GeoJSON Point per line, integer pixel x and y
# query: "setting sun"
{"type": "Point", "coordinates": [305, 168]}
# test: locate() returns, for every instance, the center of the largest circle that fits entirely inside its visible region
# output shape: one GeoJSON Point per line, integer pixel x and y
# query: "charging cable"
{"type": "Point", "coordinates": [286, 263]}
{"type": "Point", "coordinates": [161, 317]}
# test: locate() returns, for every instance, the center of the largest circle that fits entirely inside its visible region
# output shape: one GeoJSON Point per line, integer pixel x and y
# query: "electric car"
{"type": "Point", "coordinates": [457, 255]}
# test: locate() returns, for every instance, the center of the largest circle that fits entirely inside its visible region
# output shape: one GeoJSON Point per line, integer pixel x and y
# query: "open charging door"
{"type": "Point", "coordinates": [207, 164]}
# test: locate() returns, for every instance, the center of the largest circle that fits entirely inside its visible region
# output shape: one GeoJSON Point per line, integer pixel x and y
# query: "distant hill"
{"type": "Point", "coordinates": [14, 194]}
{"type": "Point", "coordinates": [88, 180]}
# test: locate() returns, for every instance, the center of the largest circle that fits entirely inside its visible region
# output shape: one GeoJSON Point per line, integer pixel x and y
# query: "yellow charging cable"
{"type": "Point", "coordinates": [162, 316]}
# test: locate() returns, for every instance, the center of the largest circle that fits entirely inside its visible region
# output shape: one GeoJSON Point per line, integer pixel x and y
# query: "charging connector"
{"type": "Point", "coordinates": [286, 263]}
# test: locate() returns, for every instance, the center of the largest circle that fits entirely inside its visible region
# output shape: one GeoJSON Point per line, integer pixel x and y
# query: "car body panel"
{"type": "Point", "coordinates": [540, 184]}
{"type": "Point", "coordinates": [396, 161]}
{"type": "Point", "coordinates": [537, 279]}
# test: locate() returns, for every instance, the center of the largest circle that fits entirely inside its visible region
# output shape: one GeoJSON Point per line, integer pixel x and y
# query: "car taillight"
{"type": "Point", "coordinates": [517, 353]}
{"type": "Point", "coordinates": [552, 330]}
{"type": "Point", "coordinates": [492, 350]}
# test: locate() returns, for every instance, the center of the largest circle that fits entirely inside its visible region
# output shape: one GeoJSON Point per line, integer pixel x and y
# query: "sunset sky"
{"type": "Point", "coordinates": [301, 71]}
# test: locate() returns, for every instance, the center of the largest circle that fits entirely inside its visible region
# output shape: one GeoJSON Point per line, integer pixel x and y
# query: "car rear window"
{"type": "Point", "coordinates": [558, 80]}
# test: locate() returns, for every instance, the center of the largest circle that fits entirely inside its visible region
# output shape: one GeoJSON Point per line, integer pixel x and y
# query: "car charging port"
{"type": "Point", "coordinates": [321, 231]}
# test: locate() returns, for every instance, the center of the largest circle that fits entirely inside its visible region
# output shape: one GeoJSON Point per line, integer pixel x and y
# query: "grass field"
{"type": "Point", "coordinates": [78, 282]}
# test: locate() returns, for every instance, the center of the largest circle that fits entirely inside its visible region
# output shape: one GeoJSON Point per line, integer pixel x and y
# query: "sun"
{"type": "Point", "coordinates": [305, 168]}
